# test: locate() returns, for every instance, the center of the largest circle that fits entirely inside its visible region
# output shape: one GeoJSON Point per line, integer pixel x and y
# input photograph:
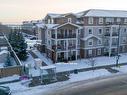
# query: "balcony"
{"type": "Point", "coordinates": [59, 47]}
{"type": "Point", "coordinates": [61, 36]}
{"type": "Point", "coordinates": [107, 34]}
{"type": "Point", "coordinates": [113, 34]}
{"type": "Point", "coordinates": [71, 46]}
{"type": "Point", "coordinates": [53, 35]}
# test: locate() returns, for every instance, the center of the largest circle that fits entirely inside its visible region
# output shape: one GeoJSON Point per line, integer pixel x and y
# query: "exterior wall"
{"type": "Point", "coordinates": [63, 20]}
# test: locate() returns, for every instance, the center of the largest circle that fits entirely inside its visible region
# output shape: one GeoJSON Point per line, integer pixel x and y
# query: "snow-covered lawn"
{"type": "Point", "coordinates": [89, 75]}
{"type": "Point", "coordinates": [85, 63]}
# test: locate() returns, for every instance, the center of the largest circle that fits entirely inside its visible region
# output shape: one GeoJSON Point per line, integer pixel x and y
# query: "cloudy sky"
{"type": "Point", "coordinates": [16, 11]}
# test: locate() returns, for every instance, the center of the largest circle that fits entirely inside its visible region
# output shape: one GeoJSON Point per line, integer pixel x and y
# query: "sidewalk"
{"type": "Point", "coordinates": [46, 60]}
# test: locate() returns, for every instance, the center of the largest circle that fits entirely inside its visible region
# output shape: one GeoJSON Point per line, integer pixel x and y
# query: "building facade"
{"type": "Point", "coordinates": [82, 35]}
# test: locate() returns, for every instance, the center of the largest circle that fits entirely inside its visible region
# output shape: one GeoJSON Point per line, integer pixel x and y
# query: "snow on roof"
{"type": "Point", "coordinates": [3, 51]}
{"type": "Point", "coordinates": [40, 25]}
{"type": "Point", "coordinates": [47, 67]}
{"type": "Point", "coordinates": [50, 26]}
{"type": "Point", "coordinates": [64, 15]}
{"type": "Point", "coordinates": [67, 24]}
{"type": "Point", "coordinates": [90, 36]}
{"type": "Point", "coordinates": [106, 13]}
{"type": "Point", "coordinates": [80, 14]}
{"type": "Point", "coordinates": [53, 15]}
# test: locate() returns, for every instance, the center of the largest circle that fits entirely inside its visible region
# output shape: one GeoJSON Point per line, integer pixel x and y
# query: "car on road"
{"type": "Point", "coordinates": [5, 90]}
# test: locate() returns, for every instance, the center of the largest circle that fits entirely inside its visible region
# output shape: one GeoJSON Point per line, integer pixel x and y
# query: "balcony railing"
{"type": "Point", "coordinates": [113, 34]}
{"type": "Point", "coordinates": [60, 36]}
{"type": "Point", "coordinates": [71, 47]}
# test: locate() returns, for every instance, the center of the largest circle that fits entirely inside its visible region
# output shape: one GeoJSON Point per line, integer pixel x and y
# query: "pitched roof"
{"type": "Point", "coordinates": [67, 24]}
{"type": "Point", "coordinates": [106, 13]}
{"type": "Point", "coordinates": [53, 15]}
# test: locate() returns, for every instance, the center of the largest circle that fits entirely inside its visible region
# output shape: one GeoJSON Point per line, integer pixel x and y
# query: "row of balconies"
{"type": "Point", "coordinates": [62, 47]}
{"type": "Point", "coordinates": [61, 36]}
{"type": "Point", "coordinates": [113, 34]}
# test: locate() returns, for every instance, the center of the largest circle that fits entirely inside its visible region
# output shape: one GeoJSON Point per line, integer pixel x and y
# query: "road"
{"type": "Point", "coordinates": [113, 85]}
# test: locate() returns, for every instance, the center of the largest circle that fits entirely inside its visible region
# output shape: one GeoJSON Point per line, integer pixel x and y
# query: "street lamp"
{"type": "Point", "coordinates": [118, 43]}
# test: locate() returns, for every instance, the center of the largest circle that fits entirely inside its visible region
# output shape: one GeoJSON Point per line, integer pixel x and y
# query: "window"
{"type": "Point", "coordinates": [99, 52]}
{"type": "Point", "coordinates": [124, 39]}
{"type": "Point", "coordinates": [109, 20]}
{"type": "Point", "coordinates": [49, 42]}
{"type": "Point", "coordinates": [99, 42]}
{"type": "Point", "coordinates": [125, 20]}
{"type": "Point", "coordinates": [49, 33]}
{"type": "Point", "coordinates": [100, 31]}
{"type": "Point", "coordinates": [48, 21]}
{"type": "Point", "coordinates": [90, 52]}
{"type": "Point", "coordinates": [90, 31]}
{"type": "Point", "coordinates": [118, 19]}
{"type": "Point", "coordinates": [90, 42]}
{"type": "Point", "coordinates": [69, 20]}
{"type": "Point", "coordinates": [100, 20]}
{"type": "Point", "coordinates": [90, 20]}
{"type": "Point", "coordinates": [125, 29]}
{"type": "Point", "coordinates": [52, 21]}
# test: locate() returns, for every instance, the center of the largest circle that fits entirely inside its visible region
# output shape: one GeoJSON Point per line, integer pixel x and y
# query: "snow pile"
{"type": "Point", "coordinates": [3, 52]}
{"type": "Point", "coordinates": [3, 56]}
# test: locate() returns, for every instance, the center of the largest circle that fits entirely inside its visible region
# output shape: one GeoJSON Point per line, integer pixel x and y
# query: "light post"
{"type": "Point", "coordinates": [118, 42]}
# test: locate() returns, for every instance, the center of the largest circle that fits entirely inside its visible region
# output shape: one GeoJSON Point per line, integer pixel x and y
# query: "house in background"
{"type": "Point", "coordinates": [30, 26]}
{"type": "Point", "coordinates": [85, 34]}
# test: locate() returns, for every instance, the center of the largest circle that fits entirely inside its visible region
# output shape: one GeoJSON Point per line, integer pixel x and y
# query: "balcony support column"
{"type": "Point", "coordinates": [110, 42]}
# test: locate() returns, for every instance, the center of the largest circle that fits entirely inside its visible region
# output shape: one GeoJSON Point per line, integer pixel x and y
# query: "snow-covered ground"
{"type": "Point", "coordinates": [10, 78]}
{"type": "Point", "coordinates": [121, 69]}
{"type": "Point", "coordinates": [19, 89]}
{"type": "Point", "coordinates": [42, 56]}
{"type": "Point", "coordinates": [85, 63]}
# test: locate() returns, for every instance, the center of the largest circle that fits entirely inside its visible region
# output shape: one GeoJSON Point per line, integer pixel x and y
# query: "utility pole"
{"type": "Point", "coordinates": [118, 44]}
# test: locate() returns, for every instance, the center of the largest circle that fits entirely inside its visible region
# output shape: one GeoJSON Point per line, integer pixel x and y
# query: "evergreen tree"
{"type": "Point", "coordinates": [17, 41]}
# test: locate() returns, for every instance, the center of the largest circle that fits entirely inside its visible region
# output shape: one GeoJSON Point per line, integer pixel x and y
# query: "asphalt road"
{"type": "Point", "coordinates": [113, 85]}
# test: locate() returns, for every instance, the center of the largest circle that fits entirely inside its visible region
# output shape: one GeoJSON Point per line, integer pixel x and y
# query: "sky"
{"type": "Point", "coordinates": [16, 11]}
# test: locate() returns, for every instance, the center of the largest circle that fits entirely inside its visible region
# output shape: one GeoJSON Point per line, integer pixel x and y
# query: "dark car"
{"type": "Point", "coordinates": [5, 90]}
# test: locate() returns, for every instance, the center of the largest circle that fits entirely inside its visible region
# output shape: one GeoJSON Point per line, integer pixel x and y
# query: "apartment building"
{"type": "Point", "coordinates": [85, 34]}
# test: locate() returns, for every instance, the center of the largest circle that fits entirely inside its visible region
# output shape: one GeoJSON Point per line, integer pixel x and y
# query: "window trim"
{"type": "Point", "coordinates": [101, 20]}
{"type": "Point", "coordinates": [90, 20]}
{"type": "Point", "coordinates": [99, 43]}
{"type": "Point", "coordinates": [99, 51]}
{"type": "Point", "coordinates": [91, 31]}
{"type": "Point", "coordinates": [99, 31]}
{"type": "Point", "coordinates": [90, 40]}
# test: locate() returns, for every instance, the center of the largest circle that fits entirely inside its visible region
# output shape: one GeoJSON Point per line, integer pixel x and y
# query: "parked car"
{"type": "Point", "coordinates": [32, 38]}
{"type": "Point", "coordinates": [5, 90]}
